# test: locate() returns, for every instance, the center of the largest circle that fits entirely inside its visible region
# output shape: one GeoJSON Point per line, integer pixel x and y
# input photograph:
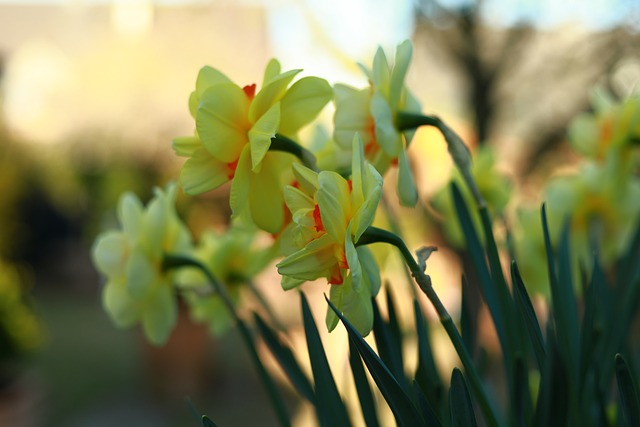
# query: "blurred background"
{"type": "Point", "coordinates": [93, 92]}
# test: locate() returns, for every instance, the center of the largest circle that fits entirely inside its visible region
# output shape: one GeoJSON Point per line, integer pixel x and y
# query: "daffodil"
{"type": "Point", "coordinates": [234, 130]}
{"type": "Point", "coordinates": [614, 126]}
{"type": "Point", "coordinates": [234, 258]}
{"type": "Point", "coordinates": [600, 211]}
{"type": "Point", "coordinates": [138, 290]}
{"type": "Point", "coordinates": [329, 214]}
{"type": "Point", "coordinates": [371, 112]}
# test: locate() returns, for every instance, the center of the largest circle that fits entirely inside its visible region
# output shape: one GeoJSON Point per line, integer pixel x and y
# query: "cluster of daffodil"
{"type": "Point", "coordinates": [601, 200]}
{"type": "Point", "coordinates": [247, 135]}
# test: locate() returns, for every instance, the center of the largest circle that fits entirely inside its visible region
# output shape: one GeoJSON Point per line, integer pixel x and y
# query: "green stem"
{"type": "Point", "coordinates": [174, 261]}
{"type": "Point", "coordinates": [456, 147]}
{"type": "Point", "coordinates": [377, 235]}
{"type": "Point", "coordinates": [282, 143]}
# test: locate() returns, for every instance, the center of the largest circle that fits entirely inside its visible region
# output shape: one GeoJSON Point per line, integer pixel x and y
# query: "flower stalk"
{"type": "Point", "coordinates": [171, 261]}
{"type": "Point", "coordinates": [282, 143]}
{"type": "Point", "coordinates": [456, 147]}
{"type": "Point", "coordinates": [377, 235]}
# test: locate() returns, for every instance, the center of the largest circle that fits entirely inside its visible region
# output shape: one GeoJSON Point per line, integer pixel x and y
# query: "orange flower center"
{"type": "Point", "coordinates": [250, 91]}
{"type": "Point", "coordinates": [232, 169]}
{"type": "Point", "coordinates": [317, 218]}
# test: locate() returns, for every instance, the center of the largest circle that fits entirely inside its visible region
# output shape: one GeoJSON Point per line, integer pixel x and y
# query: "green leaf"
{"type": "Point", "coordinates": [286, 359]}
{"type": "Point", "coordinates": [488, 285]}
{"type": "Point", "coordinates": [563, 300]}
{"type": "Point", "coordinates": [553, 396]}
{"type": "Point", "coordinates": [521, 401]}
{"type": "Point", "coordinates": [330, 408]}
{"type": "Point", "coordinates": [469, 315]}
{"type": "Point", "coordinates": [525, 308]}
{"type": "Point", "coordinates": [367, 403]}
{"type": "Point", "coordinates": [206, 422]}
{"type": "Point", "coordinates": [428, 413]}
{"type": "Point", "coordinates": [462, 414]}
{"type": "Point", "coordinates": [403, 409]}
{"type": "Point", "coordinates": [427, 375]}
{"type": "Point", "coordinates": [628, 390]}
{"type": "Point", "coordinates": [389, 341]}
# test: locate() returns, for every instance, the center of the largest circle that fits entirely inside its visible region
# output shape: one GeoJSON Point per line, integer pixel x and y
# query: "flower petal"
{"type": "Point", "coordinates": [240, 186]}
{"type": "Point", "coordinates": [202, 172]}
{"type": "Point", "coordinates": [207, 77]}
{"type": "Point", "coordinates": [334, 202]}
{"type": "Point", "coordinates": [265, 197]}
{"type": "Point", "coordinates": [404, 52]}
{"type": "Point", "coordinates": [406, 187]}
{"type": "Point", "coordinates": [352, 115]}
{"type": "Point", "coordinates": [141, 274]}
{"type": "Point", "coordinates": [160, 315]}
{"type": "Point", "coordinates": [306, 178]}
{"type": "Point", "coordinates": [356, 307]}
{"type": "Point", "coordinates": [380, 72]}
{"type": "Point", "coordinates": [130, 214]}
{"type": "Point", "coordinates": [109, 253]}
{"type": "Point", "coordinates": [386, 134]}
{"type": "Point", "coordinates": [185, 146]}
{"type": "Point", "coordinates": [372, 190]}
{"type": "Point", "coordinates": [221, 121]}
{"type": "Point", "coordinates": [261, 133]}
{"type": "Point", "coordinates": [302, 103]}
{"type": "Point", "coordinates": [313, 261]}
{"type": "Point", "coordinates": [117, 302]}
{"type": "Point", "coordinates": [271, 71]}
{"type": "Point", "coordinates": [271, 93]}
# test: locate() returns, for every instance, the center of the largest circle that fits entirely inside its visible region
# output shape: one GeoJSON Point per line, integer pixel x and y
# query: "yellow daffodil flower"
{"type": "Point", "coordinates": [329, 214]}
{"type": "Point", "coordinates": [234, 258]}
{"type": "Point", "coordinates": [234, 128]}
{"type": "Point", "coordinates": [613, 126]}
{"type": "Point", "coordinates": [371, 112]}
{"type": "Point", "coordinates": [137, 288]}
{"type": "Point", "coordinates": [600, 209]}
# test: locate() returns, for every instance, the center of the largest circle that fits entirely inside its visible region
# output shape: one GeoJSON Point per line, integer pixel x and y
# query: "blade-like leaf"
{"type": "Point", "coordinates": [286, 359]}
{"type": "Point", "coordinates": [367, 403]}
{"type": "Point", "coordinates": [401, 405]}
{"type": "Point", "coordinates": [428, 413]}
{"type": "Point", "coordinates": [552, 404]}
{"type": "Point", "coordinates": [427, 375]}
{"type": "Point", "coordinates": [462, 414]}
{"type": "Point", "coordinates": [489, 290]}
{"type": "Point", "coordinates": [389, 341]}
{"type": "Point", "coordinates": [206, 422]}
{"type": "Point", "coordinates": [330, 408]}
{"type": "Point", "coordinates": [563, 300]}
{"type": "Point", "coordinates": [628, 390]}
{"type": "Point", "coordinates": [525, 308]}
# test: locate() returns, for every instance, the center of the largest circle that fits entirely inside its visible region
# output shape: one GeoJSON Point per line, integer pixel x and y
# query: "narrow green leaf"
{"type": "Point", "coordinates": [286, 359]}
{"type": "Point", "coordinates": [206, 422]}
{"type": "Point", "coordinates": [462, 414]}
{"type": "Point", "coordinates": [469, 309]}
{"type": "Point", "coordinates": [525, 308]}
{"type": "Point", "coordinates": [330, 408]}
{"type": "Point", "coordinates": [428, 413]}
{"type": "Point", "coordinates": [522, 406]}
{"type": "Point", "coordinates": [367, 403]}
{"type": "Point", "coordinates": [401, 405]}
{"type": "Point", "coordinates": [595, 322]}
{"type": "Point", "coordinates": [567, 301]}
{"type": "Point", "coordinates": [552, 406]}
{"type": "Point", "coordinates": [477, 253]}
{"type": "Point", "coordinates": [628, 390]}
{"type": "Point", "coordinates": [389, 341]}
{"type": "Point", "coordinates": [427, 375]}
